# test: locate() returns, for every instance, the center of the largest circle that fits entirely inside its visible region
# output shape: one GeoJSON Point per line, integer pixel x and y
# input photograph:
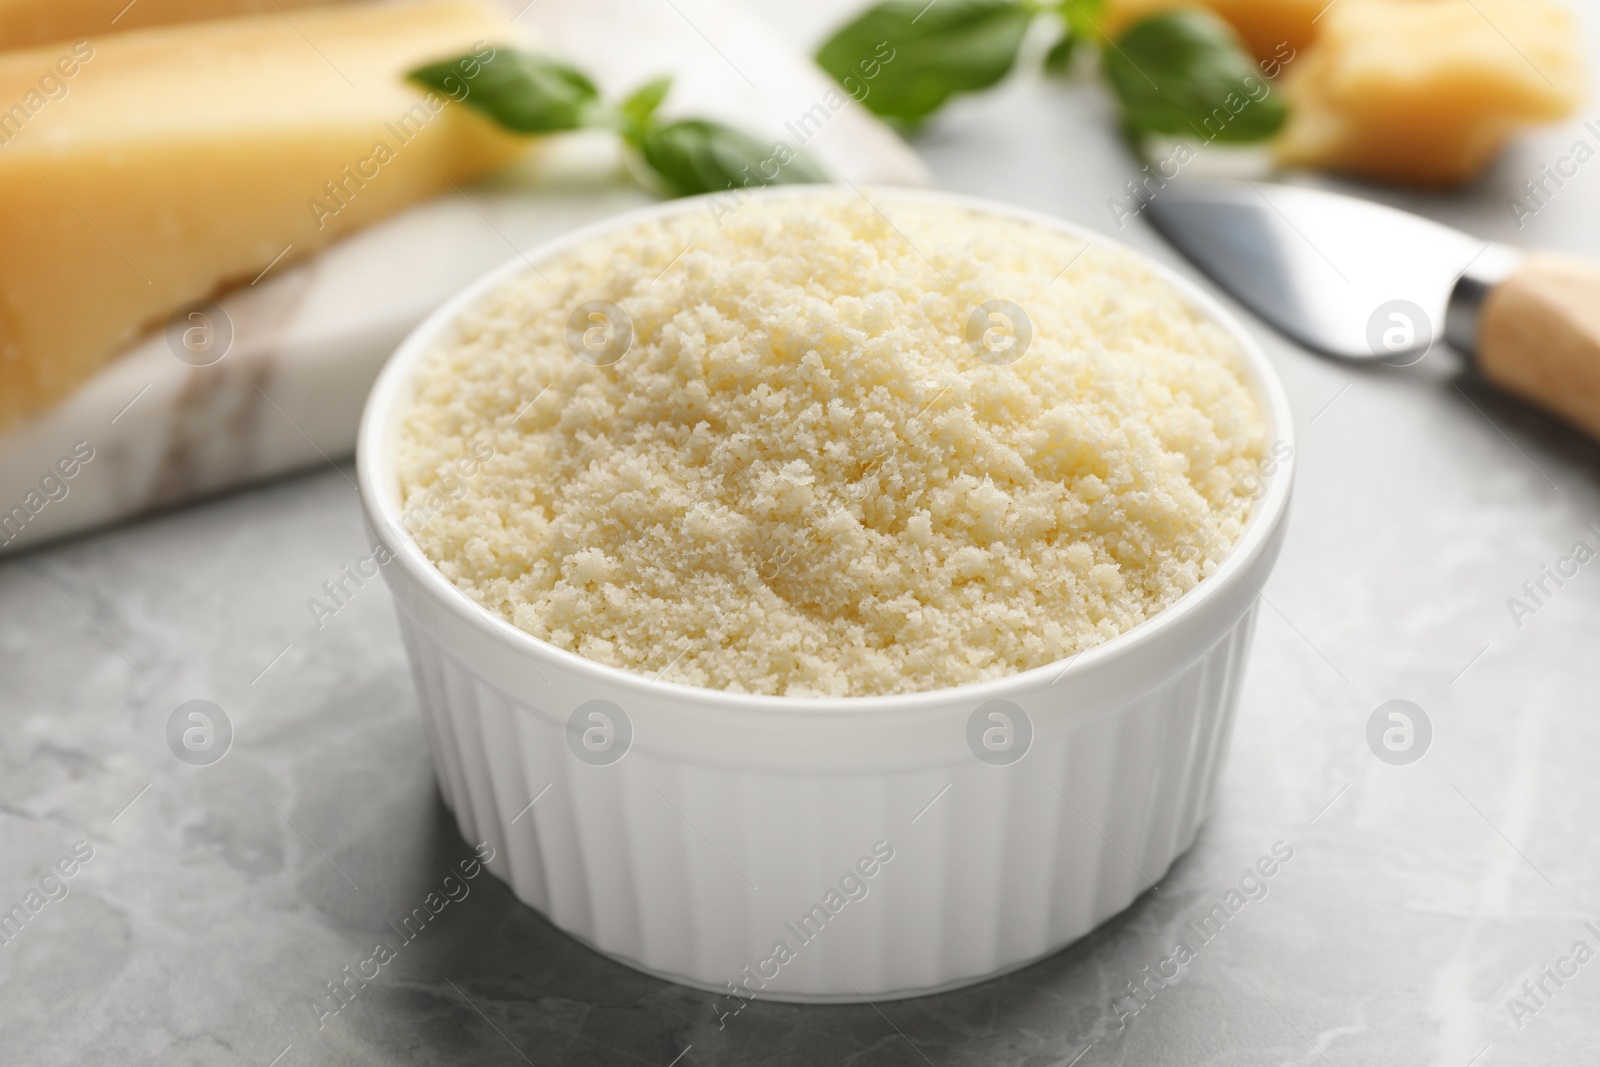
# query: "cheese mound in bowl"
{"type": "Point", "coordinates": [830, 446]}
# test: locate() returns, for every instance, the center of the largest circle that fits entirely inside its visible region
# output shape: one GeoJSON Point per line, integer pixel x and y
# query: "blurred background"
{"type": "Point", "coordinates": [219, 217]}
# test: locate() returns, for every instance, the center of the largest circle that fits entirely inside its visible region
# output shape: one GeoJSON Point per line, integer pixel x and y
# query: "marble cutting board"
{"type": "Point", "coordinates": [309, 339]}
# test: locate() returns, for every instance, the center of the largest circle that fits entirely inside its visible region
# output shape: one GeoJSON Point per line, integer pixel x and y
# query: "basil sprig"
{"type": "Point", "coordinates": [1183, 72]}
{"type": "Point", "coordinates": [521, 91]}
{"type": "Point", "coordinates": [700, 156]}
{"type": "Point", "coordinates": [939, 49]}
{"type": "Point", "coordinates": [1175, 72]}
{"type": "Point", "coordinates": [1080, 23]}
{"type": "Point", "coordinates": [530, 93]}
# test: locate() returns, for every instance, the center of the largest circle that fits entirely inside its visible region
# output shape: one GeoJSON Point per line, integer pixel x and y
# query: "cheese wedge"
{"type": "Point", "coordinates": [147, 169]}
{"type": "Point", "coordinates": [1276, 31]}
{"type": "Point", "coordinates": [1427, 91]}
{"type": "Point", "coordinates": [30, 22]}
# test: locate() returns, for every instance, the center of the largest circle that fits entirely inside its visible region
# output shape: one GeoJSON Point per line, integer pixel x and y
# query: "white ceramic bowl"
{"type": "Point", "coordinates": [732, 818]}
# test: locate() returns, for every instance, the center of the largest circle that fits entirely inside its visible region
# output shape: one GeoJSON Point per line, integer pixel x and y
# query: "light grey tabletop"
{"type": "Point", "coordinates": [1420, 898]}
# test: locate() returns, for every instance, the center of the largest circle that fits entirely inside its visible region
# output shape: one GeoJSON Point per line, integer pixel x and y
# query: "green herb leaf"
{"type": "Point", "coordinates": [1186, 73]}
{"type": "Point", "coordinates": [1059, 59]}
{"type": "Point", "coordinates": [1083, 16]}
{"type": "Point", "coordinates": [521, 91]}
{"type": "Point", "coordinates": [1080, 25]}
{"type": "Point", "coordinates": [698, 156]}
{"type": "Point", "coordinates": [640, 108]}
{"type": "Point", "coordinates": [535, 94]}
{"type": "Point", "coordinates": [910, 56]}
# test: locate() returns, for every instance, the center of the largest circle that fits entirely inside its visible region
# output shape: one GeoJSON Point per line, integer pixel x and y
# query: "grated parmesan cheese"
{"type": "Point", "coordinates": [802, 478]}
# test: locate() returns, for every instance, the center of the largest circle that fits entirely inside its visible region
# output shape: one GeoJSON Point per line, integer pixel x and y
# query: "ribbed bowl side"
{"type": "Point", "coordinates": [699, 872]}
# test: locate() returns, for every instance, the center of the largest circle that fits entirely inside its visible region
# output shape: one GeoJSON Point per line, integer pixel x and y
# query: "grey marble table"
{"type": "Point", "coordinates": [218, 900]}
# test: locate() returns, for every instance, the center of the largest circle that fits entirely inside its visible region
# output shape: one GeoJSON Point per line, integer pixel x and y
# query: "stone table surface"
{"type": "Point", "coordinates": [218, 900]}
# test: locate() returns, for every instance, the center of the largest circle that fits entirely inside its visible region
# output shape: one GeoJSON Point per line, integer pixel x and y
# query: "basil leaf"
{"type": "Point", "coordinates": [1185, 72]}
{"type": "Point", "coordinates": [1083, 16]}
{"type": "Point", "coordinates": [1080, 24]}
{"type": "Point", "coordinates": [698, 156]}
{"type": "Point", "coordinates": [640, 108]}
{"type": "Point", "coordinates": [1059, 59]}
{"type": "Point", "coordinates": [911, 56]}
{"type": "Point", "coordinates": [521, 91]}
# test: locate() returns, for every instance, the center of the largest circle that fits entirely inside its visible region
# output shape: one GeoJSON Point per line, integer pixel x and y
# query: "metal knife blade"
{"type": "Point", "coordinates": [1331, 271]}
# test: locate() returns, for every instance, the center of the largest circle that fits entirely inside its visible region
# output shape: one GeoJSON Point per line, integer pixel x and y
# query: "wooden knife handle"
{"type": "Point", "coordinates": [1539, 336]}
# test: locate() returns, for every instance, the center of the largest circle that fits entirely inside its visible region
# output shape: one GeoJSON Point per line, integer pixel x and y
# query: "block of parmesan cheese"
{"type": "Point", "coordinates": [147, 169]}
{"type": "Point", "coordinates": [30, 22]}
{"type": "Point", "coordinates": [1427, 91]}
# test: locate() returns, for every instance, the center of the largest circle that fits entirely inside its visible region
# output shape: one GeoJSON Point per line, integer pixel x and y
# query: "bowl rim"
{"type": "Point", "coordinates": [378, 484]}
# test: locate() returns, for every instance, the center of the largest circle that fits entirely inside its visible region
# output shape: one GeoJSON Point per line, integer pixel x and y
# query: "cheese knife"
{"type": "Point", "coordinates": [1358, 280]}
